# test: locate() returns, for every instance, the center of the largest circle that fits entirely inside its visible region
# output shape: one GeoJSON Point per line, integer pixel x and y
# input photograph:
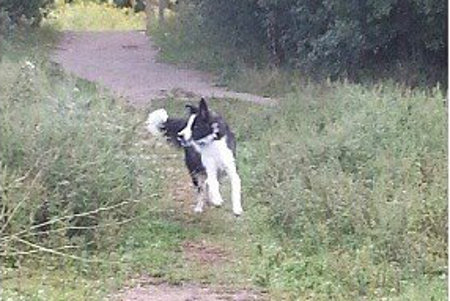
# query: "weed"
{"type": "Point", "coordinates": [357, 172]}
{"type": "Point", "coordinates": [91, 15]}
{"type": "Point", "coordinates": [339, 183]}
{"type": "Point", "coordinates": [344, 190]}
{"type": "Point", "coordinates": [73, 180]}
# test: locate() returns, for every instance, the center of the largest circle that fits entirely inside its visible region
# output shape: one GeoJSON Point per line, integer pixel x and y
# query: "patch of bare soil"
{"type": "Point", "coordinates": [152, 289]}
{"type": "Point", "coordinates": [148, 288]}
{"type": "Point", "coordinates": [125, 62]}
{"type": "Point", "coordinates": [204, 253]}
{"type": "Point", "coordinates": [186, 292]}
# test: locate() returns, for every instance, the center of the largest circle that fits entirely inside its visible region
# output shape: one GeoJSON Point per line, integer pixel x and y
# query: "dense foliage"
{"type": "Point", "coordinates": [30, 9]}
{"type": "Point", "coordinates": [138, 5]}
{"type": "Point", "coordinates": [70, 173]}
{"type": "Point", "coordinates": [93, 16]}
{"type": "Point", "coordinates": [353, 180]}
{"type": "Point", "coordinates": [335, 38]}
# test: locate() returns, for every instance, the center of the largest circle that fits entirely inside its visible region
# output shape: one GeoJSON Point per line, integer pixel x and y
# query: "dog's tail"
{"type": "Point", "coordinates": [159, 124]}
{"type": "Point", "coordinates": [155, 122]}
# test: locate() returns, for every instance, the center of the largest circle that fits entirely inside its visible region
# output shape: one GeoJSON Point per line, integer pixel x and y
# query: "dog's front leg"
{"type": "Point", "coordinates": [213, 187]}
{"type": "Point", "coordinates": [235, 190]}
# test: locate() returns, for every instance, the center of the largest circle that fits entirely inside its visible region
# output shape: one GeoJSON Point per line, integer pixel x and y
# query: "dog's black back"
{"type": "Point", "coordinates": [171, 127]}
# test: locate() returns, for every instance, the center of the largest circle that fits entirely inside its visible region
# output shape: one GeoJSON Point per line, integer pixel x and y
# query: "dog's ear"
{"type": "Point", "coordinates": [203, 110]}
{"type": "Point", "coordinates": [191, 109]}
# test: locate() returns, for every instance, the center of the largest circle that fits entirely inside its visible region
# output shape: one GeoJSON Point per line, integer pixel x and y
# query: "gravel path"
{"type": "Point", "coordinates": [126, 63]}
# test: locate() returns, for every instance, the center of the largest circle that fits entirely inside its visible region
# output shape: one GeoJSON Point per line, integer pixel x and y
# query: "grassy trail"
{"type": "Point", "coordinates": [214, 248]}
{"type": "Point", "coordinates": [344, 189]}
{"type": "Point", "coordinates": [165, 240]}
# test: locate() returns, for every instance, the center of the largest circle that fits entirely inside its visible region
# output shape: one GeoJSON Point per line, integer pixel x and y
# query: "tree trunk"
{"type": "Point", "coordinates": [149, 14]}
{"type": "Point", "coordinates": [161, 8]}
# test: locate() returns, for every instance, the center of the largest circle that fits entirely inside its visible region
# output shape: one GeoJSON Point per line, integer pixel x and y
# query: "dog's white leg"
{"type": "Point", "coordinates": [235, 189]}
{"type": "Point", "coordinates": [200, 203]}
{"type": "Point", "coordinates": [211, 182]}
{"type": "Point", "coordinates": [213, 188]}
{"type": "Point", "coordinates": [200, 194]}
{"type": "Point", "coordinates": [213, 191]}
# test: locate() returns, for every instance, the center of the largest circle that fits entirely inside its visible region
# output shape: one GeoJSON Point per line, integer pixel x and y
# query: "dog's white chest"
{"type": "Point", "coordinates": [217, 155]}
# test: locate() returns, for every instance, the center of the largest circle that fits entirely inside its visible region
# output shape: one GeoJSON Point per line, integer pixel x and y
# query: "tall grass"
{"type": "Point", "coordinates": [344, 191]}
{"type": "Point", "coordinates": [183, 40]}
{"type": "Point", "coordinates": [354, 180]}
{"type": "Point", "coordinates": [350, 180]}
{"type": "Point", "coordinates": [71, 173]}
{"type": "Point", "coordinates": [91, 15]}
{"type": "Point", "coordinates": [344, 187]}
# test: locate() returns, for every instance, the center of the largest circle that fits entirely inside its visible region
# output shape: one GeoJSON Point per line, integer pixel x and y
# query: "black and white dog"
{"type": "Point", "coordinates": [209, 148]}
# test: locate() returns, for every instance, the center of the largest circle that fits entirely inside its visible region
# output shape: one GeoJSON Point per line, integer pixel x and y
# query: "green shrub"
{"type": "Point", "coordinates": [93, 15]}
{"type": "Point", "coordinates": [345, 169]}
{"type": "Point", "coordinates": [330, 39]}
{"type": "Point", "coordinates": [210, 43]}
{"type": "Point", "coordinates": [30, 9]}
{"type": "Point", "coordinates": [70, 170]}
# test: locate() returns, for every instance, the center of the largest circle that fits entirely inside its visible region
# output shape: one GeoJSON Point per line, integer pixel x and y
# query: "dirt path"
{"type": "Point", "coordinates": [126, 63]}
{"type": "Point", "coordinates": [186, 292]}
{"type": "Point", "coordinates": [202, 255]}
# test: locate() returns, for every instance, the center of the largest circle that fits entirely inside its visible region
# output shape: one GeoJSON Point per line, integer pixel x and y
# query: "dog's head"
{"type": "Point", "coordinates": [202, 126]}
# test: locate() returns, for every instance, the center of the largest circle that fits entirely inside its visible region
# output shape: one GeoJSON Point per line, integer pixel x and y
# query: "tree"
{"type": "Point", "coordinates": [30, 9]}
{"type": "Point", "coordinates": [336, 38]}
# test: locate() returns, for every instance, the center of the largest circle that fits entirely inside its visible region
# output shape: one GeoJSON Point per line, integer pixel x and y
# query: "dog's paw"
{"type": "Point", "coordinates": [216, 201]}
{"type": "Point", "coordinates": [198, 209]}
{"type": "Point", "coordinates": [238, 211]}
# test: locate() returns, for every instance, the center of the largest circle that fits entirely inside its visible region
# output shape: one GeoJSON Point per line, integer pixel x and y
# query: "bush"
{"type": "Point", "coordinates": [30, 9]}
{"type": "Point", "coordinates": [70, 172]}
{"type": "Point", "coordinates": [329, 39]}
{"type": "Point", "coordinates": [210, 43]}
{"type": "Point", "coordinates": [94, 15]}
{"type": "Point", "coordinates": [350, 170]}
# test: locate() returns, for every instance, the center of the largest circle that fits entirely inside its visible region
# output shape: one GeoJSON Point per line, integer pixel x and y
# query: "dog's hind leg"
{"type": "Point", "coordinates": [200, 183]}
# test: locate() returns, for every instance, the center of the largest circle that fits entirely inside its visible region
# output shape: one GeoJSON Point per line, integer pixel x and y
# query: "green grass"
{"type": "Point", "coordinates": [66, 149]}
{"type": "Point", "coordinates": [89, 15]}
{"type": "Point", "coordinates": [348, 182]}
{"type": "Point", "coordinates": [345, 193]}
{"type": "Point", "coordinates": [65, 143]}
{"type": "Point", "coordinates": [344, 189]}
{"type": "Point", "coordinates": [183, 41]}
